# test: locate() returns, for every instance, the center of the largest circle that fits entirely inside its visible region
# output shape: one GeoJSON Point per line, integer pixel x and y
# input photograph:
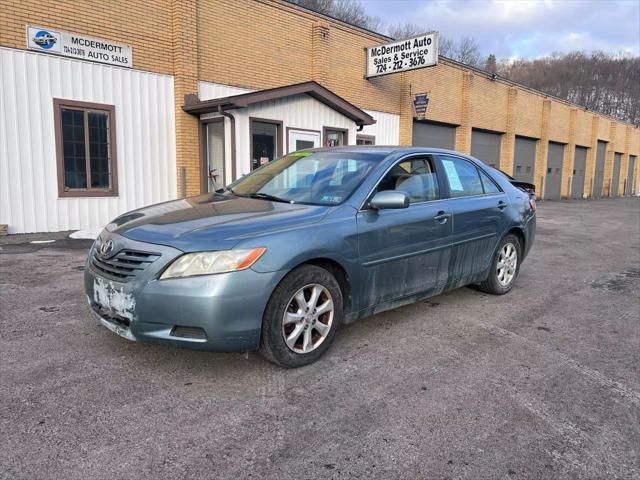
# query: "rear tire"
{"type": "Point", "coordinates": [504, 267]}
{"type": "Point", "coordinates": [301, 318]}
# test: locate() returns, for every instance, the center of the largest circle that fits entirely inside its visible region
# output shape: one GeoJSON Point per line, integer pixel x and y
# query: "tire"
{"type": "Point", "coordinates": [321, 325]}
{"type": "Point", "coordinates": [495, 284]}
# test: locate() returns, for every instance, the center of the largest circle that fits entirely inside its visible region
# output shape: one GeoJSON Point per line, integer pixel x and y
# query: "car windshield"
{"type": "Point", "coordinates": [316, 178]}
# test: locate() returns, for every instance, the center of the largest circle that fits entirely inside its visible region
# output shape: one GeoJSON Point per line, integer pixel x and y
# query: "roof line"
{"type": "Point", "coordinates": [314, 89]}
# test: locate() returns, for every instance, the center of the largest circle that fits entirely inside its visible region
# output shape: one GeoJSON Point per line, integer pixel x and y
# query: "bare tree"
{"type": "Point", "coordinates": [400, 31]}
{"type": "Point", "coordinates": [467, 51]}
{"type": "Point", "coordinates": [350, 11]}
{"type": "Point", "coordinates": [598, 81]}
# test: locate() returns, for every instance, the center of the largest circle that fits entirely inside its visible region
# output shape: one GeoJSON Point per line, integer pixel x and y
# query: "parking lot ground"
{"type": "Point", "coordinates": [543, 383]}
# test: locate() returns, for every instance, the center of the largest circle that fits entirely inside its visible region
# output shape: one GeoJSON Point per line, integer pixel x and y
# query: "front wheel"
{"type": "Point", "coordinates": [301, 317]}
{"type": "Point", "coordinates": [505, 266]}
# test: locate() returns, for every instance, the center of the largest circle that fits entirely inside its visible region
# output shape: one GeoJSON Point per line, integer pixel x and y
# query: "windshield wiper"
{"type": "Point", "coordinates": [268, 196]}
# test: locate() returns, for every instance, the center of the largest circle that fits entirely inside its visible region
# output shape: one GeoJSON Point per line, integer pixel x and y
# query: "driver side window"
{"type": "Point", "coordinates": [415, 176]}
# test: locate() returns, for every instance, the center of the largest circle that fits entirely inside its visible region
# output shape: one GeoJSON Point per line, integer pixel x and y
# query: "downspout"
{"type": "Point", "coordinates": [232, 121]}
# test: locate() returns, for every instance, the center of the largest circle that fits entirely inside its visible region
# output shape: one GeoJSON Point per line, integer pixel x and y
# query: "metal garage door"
{"type": "Point", "coordinates": [601, 152]}
{"type": "Point", "coordinates": [577, 181]}
{"type": "Point", "coordinates": [525, 159]}
{"type": "Point", "coordinates": [553, 180]}
{"type": "Point", "coordinates": [485, 146]}
{"type": "Point", "coordinates": [615, 181]}
{"type": "Point", "coordinates": [434, 135]}
{"type": "Point", "coordinates": [630, 186]}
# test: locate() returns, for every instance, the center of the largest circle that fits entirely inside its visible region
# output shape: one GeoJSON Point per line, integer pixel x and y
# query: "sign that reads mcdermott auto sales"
{"type": "Point", "coordinates": [79, 46]}
{"type": "Point", "coordinates": [418, 52]}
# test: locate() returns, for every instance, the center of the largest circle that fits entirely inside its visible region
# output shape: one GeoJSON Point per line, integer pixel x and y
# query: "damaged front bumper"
{"type": "Point", "coordinates": [220, 312]}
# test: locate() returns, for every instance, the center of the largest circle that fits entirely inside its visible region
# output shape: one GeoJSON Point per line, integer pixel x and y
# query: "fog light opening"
{"type": "Point", "coordinates": [192, 333]}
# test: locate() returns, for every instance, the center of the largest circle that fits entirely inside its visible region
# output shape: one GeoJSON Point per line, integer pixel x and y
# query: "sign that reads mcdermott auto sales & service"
{"type": "Point", "coordinates": [418, 52]}
{"type": "Point", "coordinates": [79, 46]}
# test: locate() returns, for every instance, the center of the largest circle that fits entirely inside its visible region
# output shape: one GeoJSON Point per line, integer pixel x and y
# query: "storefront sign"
{"type": "Point", "coordinates": [418, 52]}
{"type": "Point", "coordinates": [420, 103]}
{"type": "Point", "coordinates": [79, 46]}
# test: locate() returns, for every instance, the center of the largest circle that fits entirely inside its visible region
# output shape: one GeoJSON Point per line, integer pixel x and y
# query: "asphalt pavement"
{"type": "Point", "coordinates": [542, 383]}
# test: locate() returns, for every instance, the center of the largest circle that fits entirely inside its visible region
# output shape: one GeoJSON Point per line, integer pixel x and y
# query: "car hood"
{"type": "Point", "coordinates": [212, 221]}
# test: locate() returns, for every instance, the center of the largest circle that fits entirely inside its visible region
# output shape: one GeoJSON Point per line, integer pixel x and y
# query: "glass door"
{"type": "Point", "coordinates": [214, 137]}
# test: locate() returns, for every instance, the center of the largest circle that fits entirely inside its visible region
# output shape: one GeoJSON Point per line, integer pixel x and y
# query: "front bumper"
{"type": "Point", "coordinates": [225, 309]}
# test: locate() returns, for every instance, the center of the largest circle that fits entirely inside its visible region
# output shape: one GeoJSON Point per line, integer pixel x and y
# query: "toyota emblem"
{"type": "Point", "coordinates": [106, 248]}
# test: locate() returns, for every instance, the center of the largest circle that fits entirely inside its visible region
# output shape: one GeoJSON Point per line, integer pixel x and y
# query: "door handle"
{"type": "Point", "coordinates": [502, 205]}
{"type": "Point", "coordinates": [442, 216]}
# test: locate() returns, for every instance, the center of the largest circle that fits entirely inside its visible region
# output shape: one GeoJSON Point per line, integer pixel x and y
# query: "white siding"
{"type": "Point", "coordinates": [145, 138]}
{"type": "Point", "coordinates": [209, 91]}
{"type": "Point", "coordinates": [386, 129]}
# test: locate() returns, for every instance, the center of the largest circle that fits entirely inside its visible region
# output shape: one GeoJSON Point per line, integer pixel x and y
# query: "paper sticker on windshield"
{"type": "Point", "coordinates": [300, 154]}
{"type": "Point", "coordinates": [452, 175]}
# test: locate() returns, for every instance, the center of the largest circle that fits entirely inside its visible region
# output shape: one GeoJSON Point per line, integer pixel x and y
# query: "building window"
{"type": "Point", "coordinates": [266, 143]}
{"type": "Point", "coordinates": [86, 149]}
{"type": "Point", "coordinates": [365, 140]}
{"type": "Point", "coordinates": [334, 137]}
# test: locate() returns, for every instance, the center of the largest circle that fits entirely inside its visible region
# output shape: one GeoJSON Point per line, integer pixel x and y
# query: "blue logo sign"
{"type": "Point", "coordinates": [420, 103]}
{"type": "Point", "coordinates": [44, 39]}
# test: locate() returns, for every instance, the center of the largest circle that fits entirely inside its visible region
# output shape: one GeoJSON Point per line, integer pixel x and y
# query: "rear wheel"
{"type": "Point", "coordinates": [301, 317]}
{"type": "Point", "coordinates": [505, 266]}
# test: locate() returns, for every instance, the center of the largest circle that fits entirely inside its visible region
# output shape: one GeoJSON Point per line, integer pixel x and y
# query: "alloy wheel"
{"type": "Point", "coordinates": [308, 318]}
{"type": "Point", "coordinates": [507, 264]}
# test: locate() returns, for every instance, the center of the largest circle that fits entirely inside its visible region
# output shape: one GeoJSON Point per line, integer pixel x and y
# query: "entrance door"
{"type": "Point", "coordinates": [617, 160]}
{"type": "Point", "coordinates": [553, 182]}
{"type": "Point", "coordinates": [214, 155]}
{"type": "Point", "coordinates": [577, 182]}
{"type": "Point", "coordinates": [601, 152]}
{"type": "Point", "coordinates": [303, 139]}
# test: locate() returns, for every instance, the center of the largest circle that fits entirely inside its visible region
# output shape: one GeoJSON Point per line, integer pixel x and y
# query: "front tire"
{"type": "Point", "coordinates": [504, 267]}
{"type": "Point", "coordinates": [301, 318]}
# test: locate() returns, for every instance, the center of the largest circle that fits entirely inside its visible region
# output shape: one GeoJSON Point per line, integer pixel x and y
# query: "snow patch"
{"type": "Point", "coordinates": [87, 234]}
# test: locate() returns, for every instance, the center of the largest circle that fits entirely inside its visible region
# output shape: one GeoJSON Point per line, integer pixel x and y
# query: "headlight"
{"type": "Point", "coordinates": [206, 263]}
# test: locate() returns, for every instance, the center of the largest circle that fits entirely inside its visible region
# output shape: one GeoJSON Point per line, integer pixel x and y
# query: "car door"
{"type": "Point", "coordinates": [477, 204]}
{"type": "Point", "coordinates": [405, 251]}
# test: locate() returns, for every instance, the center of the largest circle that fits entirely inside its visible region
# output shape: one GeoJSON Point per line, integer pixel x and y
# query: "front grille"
{"type": "Point", "coordinates": [123, 266]}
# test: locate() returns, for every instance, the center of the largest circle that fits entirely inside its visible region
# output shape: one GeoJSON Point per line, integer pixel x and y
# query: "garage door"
{"type": "Point", "coordinates": [524, 159]}
{"type": "Point", "coordinates": [485, 146]}
{"type": "Point", "coordinates": [434, 135]}
{"type": "Point", "coordinates": [615, 181]}
{"type": "Point", "coordinates": [553, 180]}
{"type": "Point", "coordinates": [601, 152]}
{"type": "Point", "coordinates": [577, 182]}
{"type": "Point", "coordinates": [631, 188]}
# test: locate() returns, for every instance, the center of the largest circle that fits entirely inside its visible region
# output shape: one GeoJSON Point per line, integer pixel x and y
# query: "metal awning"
{"type": "Point", "coordinates": [313, 89]}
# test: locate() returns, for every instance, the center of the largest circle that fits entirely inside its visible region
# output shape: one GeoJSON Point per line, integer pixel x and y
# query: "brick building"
{"type": "Point", "coordinates": [108, 107]}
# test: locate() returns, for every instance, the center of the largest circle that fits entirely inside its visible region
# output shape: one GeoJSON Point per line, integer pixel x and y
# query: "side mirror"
{"type": "Point", "coordinates": [389, 199]}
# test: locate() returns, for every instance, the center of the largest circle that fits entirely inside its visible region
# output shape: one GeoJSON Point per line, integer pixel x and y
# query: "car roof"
{"type": "Point", "coordinates": [383, 149]}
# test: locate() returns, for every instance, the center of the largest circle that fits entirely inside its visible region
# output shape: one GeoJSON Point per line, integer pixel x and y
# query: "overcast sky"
{"type": "Point", "coordinates": [522, 28]}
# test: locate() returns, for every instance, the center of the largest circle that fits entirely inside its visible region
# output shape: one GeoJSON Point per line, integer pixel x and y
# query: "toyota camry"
{"type": "Point", "coordinates": [282, 257]}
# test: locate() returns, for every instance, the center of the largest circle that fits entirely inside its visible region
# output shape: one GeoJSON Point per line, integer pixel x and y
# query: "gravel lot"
{"type": "Point", "coordinates": [541, 383]}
